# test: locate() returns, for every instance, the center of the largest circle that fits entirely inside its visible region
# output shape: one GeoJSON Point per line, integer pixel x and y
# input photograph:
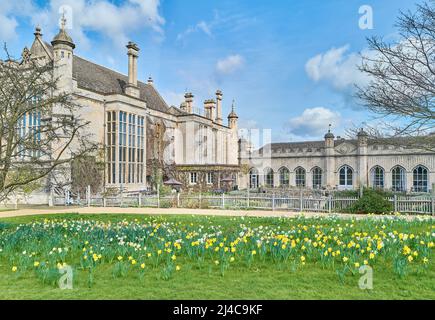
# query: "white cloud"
{"type": "Point", "coordinates": [313, 122]}
{"type": "Point", "coordinates": [200, 26]}
{"type": "Point", "coordinates": [230, 64]}
{"type": "Point", "coordinates": [114, 21]}
{"type": "Point", "coordinates": [173, 98]}
{"type": "Point", "coordinates": [9, 11]}
{"type": "Point", "coordinates": [337, 67]}
{"type": "Point", "coordinates": [7, 28]}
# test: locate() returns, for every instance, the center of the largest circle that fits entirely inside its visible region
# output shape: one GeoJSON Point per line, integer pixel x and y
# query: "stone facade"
{"type": "Point", "coordinates": [340, 164]}
{"type": "Point", "coordinates": [142, 135]}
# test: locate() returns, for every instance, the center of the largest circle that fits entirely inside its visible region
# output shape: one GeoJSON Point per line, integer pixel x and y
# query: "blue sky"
{"type": "Point", "coordinates": [290, 65]}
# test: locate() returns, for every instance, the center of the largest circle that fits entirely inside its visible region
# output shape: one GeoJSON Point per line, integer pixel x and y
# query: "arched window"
{"type": "Point", "coordinates": [420, 183]}
{"type": "Point", "coordinates": [253, 178]}
{"type": "Point", "coordinates": [284, 177]}
{"type": "Point", "coordinates": [377, 177]}
{"type": "Point", "coordinates": [317, 177]}
{"type": "Point", "coordinates": [268, 177]}
{"type": "Point", "coordinates": [346, 177]}
{"type": "Point", "coordinates": [300, 177]}
{"type": "Point", "coordinates": [398, 179]}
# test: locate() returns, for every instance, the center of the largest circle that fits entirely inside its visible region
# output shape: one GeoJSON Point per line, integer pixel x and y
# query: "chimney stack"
{"type": "Point", "coordinates": [189, 102]}
{"type": "Point", "coordinates": [219, 106]}
{"type": "Point", "coordinates": [210, 106]}
{"type": "Point", "coordinates": [133, 54]}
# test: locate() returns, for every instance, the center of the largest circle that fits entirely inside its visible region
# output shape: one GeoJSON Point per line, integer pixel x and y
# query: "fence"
{"type": "Point", "coordinates": [328, 204]}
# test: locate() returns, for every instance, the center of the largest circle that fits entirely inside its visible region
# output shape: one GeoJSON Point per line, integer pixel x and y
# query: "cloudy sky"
{"type": "Point", "coordinates": [290, 65]}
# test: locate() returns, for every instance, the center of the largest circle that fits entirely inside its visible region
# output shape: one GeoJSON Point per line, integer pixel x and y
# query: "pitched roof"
{"type": "Point", "coordinates": [297, 145]}
{"type": "Point", "coordinates": [100, 79]}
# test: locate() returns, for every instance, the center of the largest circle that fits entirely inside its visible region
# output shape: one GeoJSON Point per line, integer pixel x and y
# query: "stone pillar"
{"type": "Point", "coordinates": [409, 180]}
{"type": "Point", "coordinates": [329, 174]}
{"type": "Point", "coordinates": [363, 174]}
{"type": "Point", "coordinates": [276, 179]}
{"type": "Point", "coordinates": [219, 107]}
{"type": "Point", "coordinates": [309, 180]}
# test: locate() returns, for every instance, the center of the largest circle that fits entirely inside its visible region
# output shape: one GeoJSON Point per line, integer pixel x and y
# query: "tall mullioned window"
{"type": "Point", "coordinates": [317, 178]}
{"type": "Point", "coordinates": [420, 177]}
{"type": "Point", "coordinates": [29, 132]}
{"type": "Point", "coordinates": [253, 179]}
{"type": "Point", "coordinates": [122, 146]}
{"type": "Point", "coordinates": [125, 147]}
{"type": "Point", "coordinates": [398, 179]}
{"type": "Point", "coordinates": [21, 133]}
{"type": "Point", "coordinates": [346, 177]}
{"type": "Point", "coordinates": [268, 177]}
{"type": "Point", "coordinates": [132, 152]}
{"type": "Point", "coordinates": [111, 147]}
{"type": "Point", "coordinates": [300, 177]}
{"type": "Point", "coordinates": [284, 177]}
{"type": "Point", "coordinates": [377, 175]}
{"type": "Point", "coordinates": [140, 148]}
{"type": "Point", "coordinates": [35, 132]}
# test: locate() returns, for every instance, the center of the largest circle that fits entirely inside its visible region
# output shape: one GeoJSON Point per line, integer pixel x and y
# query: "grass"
{"type": "Point", "coordinates": [260, 280]}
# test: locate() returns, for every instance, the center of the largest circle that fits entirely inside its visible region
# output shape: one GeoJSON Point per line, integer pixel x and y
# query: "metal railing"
{"type": "Point", "coordinates": [423, 204]}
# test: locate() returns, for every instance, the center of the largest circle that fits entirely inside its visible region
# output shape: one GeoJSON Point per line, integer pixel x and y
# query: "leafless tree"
{"type": "Point", "coordinates": [401, 88]}
{"type": "Point", "coordinates": [41, 131]}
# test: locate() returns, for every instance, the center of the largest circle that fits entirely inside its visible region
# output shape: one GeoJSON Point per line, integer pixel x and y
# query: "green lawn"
{"type": "Point", "coordinates": [274, 271]}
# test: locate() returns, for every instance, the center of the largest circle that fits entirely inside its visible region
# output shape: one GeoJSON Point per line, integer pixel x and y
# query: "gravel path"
{"type": "Point", "coordinates": [179, 211]}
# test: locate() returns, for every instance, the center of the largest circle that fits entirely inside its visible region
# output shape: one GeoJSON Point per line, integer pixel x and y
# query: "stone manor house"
{"type": "Point", "coordinates": [142, 134]}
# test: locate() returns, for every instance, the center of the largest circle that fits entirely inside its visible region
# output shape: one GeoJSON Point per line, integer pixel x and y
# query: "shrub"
{"type": "Point", "coordinates": [372, 201]}
{"type": "Point", "coordinates": [4, 226]}
{"type": "Point", "coordinates": [165, 204]}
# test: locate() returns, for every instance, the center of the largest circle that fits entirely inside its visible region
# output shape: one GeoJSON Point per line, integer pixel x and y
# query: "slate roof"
{"type": "Point", "coordinates": [297, 145]}
{"type": "Point", "coordinates": [100, 79]}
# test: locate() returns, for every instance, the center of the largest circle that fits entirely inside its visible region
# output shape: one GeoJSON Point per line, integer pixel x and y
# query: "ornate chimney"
{"type": "Point", "coordinates": [189, 102]}
{"type": "Point", "coordinates": [219, 106]}
{"type": "Point", "coordinates": [209, 107]}
{"type": "Point", "coordinates": [133, 54]}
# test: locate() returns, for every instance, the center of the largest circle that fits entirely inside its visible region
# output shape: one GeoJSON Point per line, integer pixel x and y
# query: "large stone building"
{"type": "Point", "coordinates": [143, 136]}
{"type": "Point", "coordinates": [337, 163]}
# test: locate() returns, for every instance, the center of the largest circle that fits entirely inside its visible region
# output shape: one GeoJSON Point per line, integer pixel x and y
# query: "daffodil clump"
{"type": "Point", "coordinates": [165, 248]}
